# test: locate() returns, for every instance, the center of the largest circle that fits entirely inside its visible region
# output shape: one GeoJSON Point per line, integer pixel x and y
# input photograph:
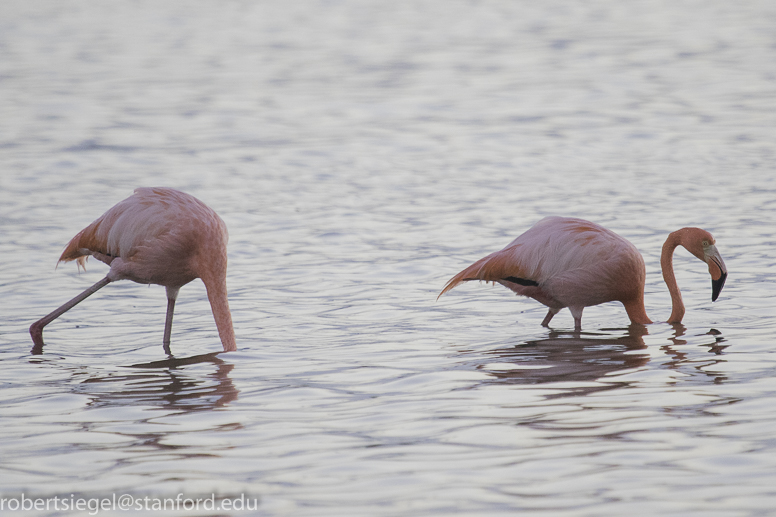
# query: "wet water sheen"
{"type": "Point", "coordinates": [361, 153]}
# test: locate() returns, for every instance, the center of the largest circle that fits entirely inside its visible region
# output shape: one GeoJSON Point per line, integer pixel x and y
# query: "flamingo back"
{"type": "Point", "coordinates": [564, 262]}
{"type": "Point", "coordinates": [158, 233]}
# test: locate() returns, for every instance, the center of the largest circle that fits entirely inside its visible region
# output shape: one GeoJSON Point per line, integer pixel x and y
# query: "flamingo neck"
{"type": "Point", "coordinates": [636, 311]}
{"type": "Point", "coordinates": [219, 304]}
{"type": "Point", "coordinates": [667, 265]}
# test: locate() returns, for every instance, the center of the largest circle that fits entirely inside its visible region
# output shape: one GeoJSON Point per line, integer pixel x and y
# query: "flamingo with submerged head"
{"type": "Point", "coordinates": [567, 262]}
{"type": "Point", "coordinates": [156, 236]}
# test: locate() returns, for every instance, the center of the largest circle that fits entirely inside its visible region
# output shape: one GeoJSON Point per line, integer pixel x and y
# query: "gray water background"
{"type": "Point", "coordinates": [361, 153]}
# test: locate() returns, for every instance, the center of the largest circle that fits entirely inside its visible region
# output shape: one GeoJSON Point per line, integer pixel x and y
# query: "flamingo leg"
{"type": "Point", "coordinates": [36, 329]}
{"type": "Point", "coordinates": [552, 312]}
{"type": "Point", "coordinates": [577, 313]}
{"type": "Point", "coordinates": [172, 295]}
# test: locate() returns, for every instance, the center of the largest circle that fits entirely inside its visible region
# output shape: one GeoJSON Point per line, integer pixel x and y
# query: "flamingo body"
{"type": "Point", "coordinates": [567, 262]}
{"type": "Point", "coordinates": [156, 236]}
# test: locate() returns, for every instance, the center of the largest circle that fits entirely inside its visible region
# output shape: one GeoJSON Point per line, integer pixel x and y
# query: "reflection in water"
{"type": "Point", "coordinates": [683, 356]}
{"type": "Point", "coordinates": [165, 385]}
{"type": "Point", "coordinates": [356, 151]}
{"type": "Point", "coordinates": [587, 357]}
{"type": "Point", "coordinates": [565, 357]}
{"type": "Point", "coordinates": [136, 415]}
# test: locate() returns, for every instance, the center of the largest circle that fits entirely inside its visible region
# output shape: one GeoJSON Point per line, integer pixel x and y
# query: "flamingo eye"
{"type": "Point", "coordinates": [705, 243]}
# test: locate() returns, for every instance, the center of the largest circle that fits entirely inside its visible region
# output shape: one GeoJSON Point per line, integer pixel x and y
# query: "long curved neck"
{"type": "Point", "coordinates": [215, 283]}
{"type": "Point", "coordinates": [220, 305]}
{"type": "Point", "coordinates": [636, 311]}
{"type": "Point", "coordinates": [667, 265]}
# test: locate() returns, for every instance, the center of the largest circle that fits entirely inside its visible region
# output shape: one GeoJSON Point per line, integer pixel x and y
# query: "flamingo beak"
{"type": "Point", "coordinates": [717, 270]}
{"type": "Point", "coordinates": [716, 286]}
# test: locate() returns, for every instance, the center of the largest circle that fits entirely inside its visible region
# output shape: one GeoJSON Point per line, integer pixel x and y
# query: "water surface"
{"type": "Point", "coordinates": [361, 153]}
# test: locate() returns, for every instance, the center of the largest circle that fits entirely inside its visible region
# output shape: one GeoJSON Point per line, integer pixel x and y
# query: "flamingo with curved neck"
{"type": "Point", "coordinates": [701, 244]}
{"type": "Point", "coordinates": [567, 262]}
{"type": "Point", "coordinates": [156, 236]}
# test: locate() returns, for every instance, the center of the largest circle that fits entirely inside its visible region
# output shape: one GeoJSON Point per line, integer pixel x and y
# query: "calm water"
{"type": "Point", "coordinates": [361, 153]}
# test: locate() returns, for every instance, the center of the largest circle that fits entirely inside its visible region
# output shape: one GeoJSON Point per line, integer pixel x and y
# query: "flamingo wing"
{"type": "Point", "coordinates": [562, 262]}
{"type": "Point", "coordinates": [156, 233]}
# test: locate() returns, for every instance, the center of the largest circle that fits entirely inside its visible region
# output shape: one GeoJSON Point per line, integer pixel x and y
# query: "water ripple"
{"type": "Point", "coordinates": [361, 154]}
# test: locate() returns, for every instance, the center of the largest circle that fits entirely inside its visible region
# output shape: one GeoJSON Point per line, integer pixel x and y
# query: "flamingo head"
{"type": "Point", "coordinates": [702, 245]}
{"type": "Point", "coordinates": [717, 270]}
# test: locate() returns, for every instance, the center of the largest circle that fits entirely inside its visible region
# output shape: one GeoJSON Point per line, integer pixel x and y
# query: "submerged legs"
{"type": "Point", "coordinates": [575, 311]}
{"type": "Point", "coordinates": [172, 295]}
{"type": "Point", "coordinates": [552, 312]}
{"type": "Point", "coordinates": [36, 329]}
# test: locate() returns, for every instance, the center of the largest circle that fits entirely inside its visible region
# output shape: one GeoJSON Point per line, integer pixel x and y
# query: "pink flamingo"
{"type": "Point", "coordinates": [156, 236]}
{"type": "Point", "coordinates": [566, 262]}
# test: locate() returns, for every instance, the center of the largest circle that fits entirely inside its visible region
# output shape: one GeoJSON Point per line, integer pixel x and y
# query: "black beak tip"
{"type": "Point", "coordinates": [716, 286]}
